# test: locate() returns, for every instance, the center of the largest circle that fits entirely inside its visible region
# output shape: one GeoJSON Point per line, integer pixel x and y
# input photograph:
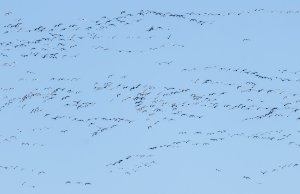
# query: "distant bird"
{"type": "Point", "coordinates": [263, 172]}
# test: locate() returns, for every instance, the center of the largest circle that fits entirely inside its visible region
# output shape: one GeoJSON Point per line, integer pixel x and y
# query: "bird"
{"type": "Point", "coordinates": [246, 177]}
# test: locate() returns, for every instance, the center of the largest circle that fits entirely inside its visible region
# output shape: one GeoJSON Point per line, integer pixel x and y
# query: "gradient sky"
{"type": "Point", "coordinates": [199, 148]}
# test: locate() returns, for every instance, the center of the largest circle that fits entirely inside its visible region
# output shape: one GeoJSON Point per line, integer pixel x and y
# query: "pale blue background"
{"type": "Point", "coordinates": [76, 156]}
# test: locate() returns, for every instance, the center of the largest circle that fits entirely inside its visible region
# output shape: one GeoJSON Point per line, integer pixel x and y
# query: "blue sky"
{"type": "Point", "coordinates": [101, 97]}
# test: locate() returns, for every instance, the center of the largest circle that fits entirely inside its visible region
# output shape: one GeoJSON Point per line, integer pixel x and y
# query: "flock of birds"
{"type": "Point", "coordinates": [45, 105]}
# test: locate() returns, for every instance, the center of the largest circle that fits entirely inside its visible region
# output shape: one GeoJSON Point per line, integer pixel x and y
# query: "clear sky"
{"type": "Point", "coordinates": [149, 97]}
